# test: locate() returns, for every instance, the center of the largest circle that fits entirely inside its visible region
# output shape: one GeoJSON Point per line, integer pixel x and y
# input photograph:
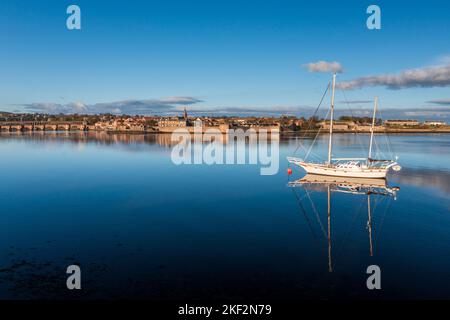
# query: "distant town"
{"type": "Point", "coordinates": [13, 122]}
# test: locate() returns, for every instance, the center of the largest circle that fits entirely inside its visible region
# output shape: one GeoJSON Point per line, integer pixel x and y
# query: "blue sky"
{"type": "Point", "coordinates": [216, 55]}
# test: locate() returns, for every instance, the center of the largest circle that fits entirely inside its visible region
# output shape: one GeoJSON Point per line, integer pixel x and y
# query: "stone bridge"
{"type": "Point", "coordinates": [43, 125]}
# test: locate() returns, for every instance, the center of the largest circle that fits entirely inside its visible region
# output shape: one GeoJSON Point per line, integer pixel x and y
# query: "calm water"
{"type": "Point", "coordinates": [142, 227]}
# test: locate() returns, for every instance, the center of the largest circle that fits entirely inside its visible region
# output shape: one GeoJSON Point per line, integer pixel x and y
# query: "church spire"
{"type": "Point", "coordinates": [185, 114]}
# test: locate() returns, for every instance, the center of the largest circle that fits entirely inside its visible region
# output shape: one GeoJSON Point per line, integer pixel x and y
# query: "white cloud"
{"type": "Point", "coordinates": [324, 66]}
{"type": "Point", "coordinates": [182, 100]}
{"type": "Point", "coordinates": [428, 77]}
{"type": "Point", "coordinates": [149, 106]}
{"type": "Point", "coordinates": [441, 102]}
{"type": "Point", "coordinates": [78, 107]}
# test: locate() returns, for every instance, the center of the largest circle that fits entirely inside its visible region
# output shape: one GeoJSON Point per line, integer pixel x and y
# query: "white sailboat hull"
{"type": "Point", "coordinates": [355, 172]}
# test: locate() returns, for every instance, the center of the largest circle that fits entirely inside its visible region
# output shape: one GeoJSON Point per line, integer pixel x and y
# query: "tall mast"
{"type": "Point", "coordinates": [330, 142]}
{"type": "Point", "coordinates": [371, 128]}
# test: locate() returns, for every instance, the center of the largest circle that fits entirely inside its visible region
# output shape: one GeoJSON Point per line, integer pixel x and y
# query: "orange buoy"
{"type": "Point", "coordinates": [289, 171]}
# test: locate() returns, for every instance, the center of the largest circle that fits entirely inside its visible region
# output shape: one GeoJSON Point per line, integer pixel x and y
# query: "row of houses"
{"type": "Point", "coordinates": [346, 126]}
{"type": "Point", "coordinates": [169, 124]}
{"type": "Point", "coordinates": [350, 125]}
{"type": "Point", "coordinates": [129, 124]}
{"type": "Point", "coordinates": [413, 123]}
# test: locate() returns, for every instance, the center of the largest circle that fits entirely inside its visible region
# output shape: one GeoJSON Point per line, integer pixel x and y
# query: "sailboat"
{"type": "Point", "coordinates": [354, 186]}
{"type": "Point", "coordinates": [348, 167]}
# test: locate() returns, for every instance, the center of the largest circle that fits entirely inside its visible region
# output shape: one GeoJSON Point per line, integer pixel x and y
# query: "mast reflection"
{"type": "Point", "coordinates": [351, 186]}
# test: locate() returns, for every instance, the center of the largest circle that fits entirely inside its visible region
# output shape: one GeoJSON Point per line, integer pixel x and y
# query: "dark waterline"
{"type": "Point", "coordinates": [141, 227]}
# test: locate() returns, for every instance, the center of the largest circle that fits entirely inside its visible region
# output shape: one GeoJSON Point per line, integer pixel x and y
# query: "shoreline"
{"type": "Point", "coordinates": [293, 133]}
{"type": "Point", "coordinates": [387, 131]}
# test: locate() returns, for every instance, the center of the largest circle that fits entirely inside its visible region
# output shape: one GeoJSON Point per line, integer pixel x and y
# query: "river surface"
{"type": "Point", "coordinates": [140, 226]}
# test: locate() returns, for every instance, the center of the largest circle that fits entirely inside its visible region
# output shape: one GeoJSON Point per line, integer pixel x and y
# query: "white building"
{"type": "Point", "coordinates": [434, 123]}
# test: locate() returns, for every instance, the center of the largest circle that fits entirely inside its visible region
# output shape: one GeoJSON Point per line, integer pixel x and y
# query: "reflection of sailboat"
{"type": "Point", "coordinates": [348, 167]}
{"type": "Point", "coordinates": [354, 186]}
{"type": "Point", "coordinates": [347, 184]}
